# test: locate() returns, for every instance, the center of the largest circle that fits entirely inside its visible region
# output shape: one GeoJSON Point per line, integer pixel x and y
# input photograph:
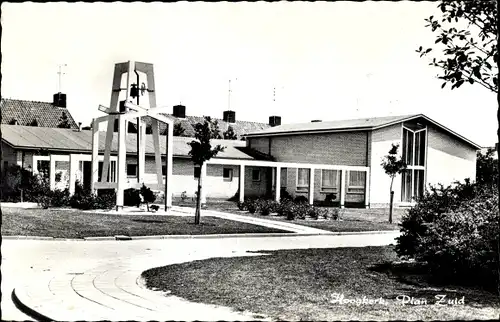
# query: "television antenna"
{"type": "Point", "coordinates": [60, 73]}
{"type": "Point", "coordinates": [229, 95]}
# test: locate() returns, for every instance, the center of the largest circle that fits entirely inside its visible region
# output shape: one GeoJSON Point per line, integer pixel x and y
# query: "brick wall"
{"type": "Point", "coordinates": [345, 148]}
{"type": "Point", "coordinates": [260, 144]}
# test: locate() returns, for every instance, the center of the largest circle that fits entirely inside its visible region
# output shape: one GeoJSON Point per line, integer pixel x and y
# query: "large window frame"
{"type": "Point", "coordinates": [415, 156]}
{"type": "Point", "coordinates": [303, 185]}
{"type": "Point", "coordinates": [356, 188]}
{"type": "Point", "coordinates": [332, 187]}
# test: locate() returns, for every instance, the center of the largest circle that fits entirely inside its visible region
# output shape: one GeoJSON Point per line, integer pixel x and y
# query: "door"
{"type": "Point", "coordinates": [87, 173]}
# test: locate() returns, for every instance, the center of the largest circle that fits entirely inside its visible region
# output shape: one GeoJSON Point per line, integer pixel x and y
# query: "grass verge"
{"type": "Point", "coordinates": [352, 219]}
{"type": "Point", "coordinates": [59, 223]}
{"type": "Point", "coordinates": [300, 285]}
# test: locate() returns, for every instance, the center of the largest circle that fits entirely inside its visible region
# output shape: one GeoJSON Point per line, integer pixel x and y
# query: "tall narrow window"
{"type": "Point", "coordinates": [283, 177]}
{"type": "Point", "coordinates": [414, 150]}
{"type": "Point", "coordinates": [303, 179]}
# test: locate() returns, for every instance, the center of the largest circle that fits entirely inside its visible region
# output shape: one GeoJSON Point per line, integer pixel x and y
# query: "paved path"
{"type": "Point", "coordinates": [99, 280]}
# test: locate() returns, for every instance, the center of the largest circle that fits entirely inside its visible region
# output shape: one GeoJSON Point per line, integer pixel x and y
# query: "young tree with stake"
{"type": "Point", "coordinates": [393, 165]}
{"type": "Point", "coordinates": [202, 151]}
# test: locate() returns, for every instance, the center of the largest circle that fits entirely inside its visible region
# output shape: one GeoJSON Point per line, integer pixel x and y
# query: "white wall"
{"type": "Point", "coordinates": [381, 143]}
{"type": "Point", "coordinates": [448, 159]}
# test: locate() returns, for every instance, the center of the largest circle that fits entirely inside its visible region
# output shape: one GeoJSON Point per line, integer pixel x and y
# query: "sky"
{"type": "Point", "coordinates": [326, 60]}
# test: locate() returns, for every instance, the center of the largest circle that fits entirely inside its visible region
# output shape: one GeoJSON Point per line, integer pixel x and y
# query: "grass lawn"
{"type": "Point", "coordinates": [299, 285]}
{"type": "Point", "coordinates": [59, 223]}
{"type": "Point", "coordinates": [352, 219]}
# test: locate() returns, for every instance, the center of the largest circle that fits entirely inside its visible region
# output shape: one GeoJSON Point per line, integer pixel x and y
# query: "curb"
{"type": "Point", "coordinates": [28, 237]}
{"type": "Point", "coordinates": [124, 238]}
{"type": "Point", "coordinates": [27, 310]}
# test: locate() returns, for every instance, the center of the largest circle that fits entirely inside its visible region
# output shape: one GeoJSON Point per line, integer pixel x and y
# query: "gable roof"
{"type": "Point", "coordinates": [361, 124]}
{"type": "Point", "coordinates": [240, 127]}
{"type": "Point", "coordinates": [74, 141]}
{"type": "Point", "coordinates": [24, 112]}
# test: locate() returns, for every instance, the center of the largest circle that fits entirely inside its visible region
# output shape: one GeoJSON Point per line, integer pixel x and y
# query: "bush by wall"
{"type": "Point", "coordinates": [454, 232]}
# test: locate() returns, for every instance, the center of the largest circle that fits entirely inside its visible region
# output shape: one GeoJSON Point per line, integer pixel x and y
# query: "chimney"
{"type": "Point", "coordinates": [179, 111]}
{"type": "Point", "coordinates": [59, 100]}
{"type": "Point", "coordinates": [79, 126]}
{"type": "Point", "coordinates": [229, 116]}
{"type": "Point", "coordinates": [274, 120]}
{"type": "Point", "coordinates": [315, 121]}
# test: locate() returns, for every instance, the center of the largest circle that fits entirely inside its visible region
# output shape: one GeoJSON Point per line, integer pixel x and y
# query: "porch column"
{"type": "Point", "coordinates": [169, 164]}
{"type": "Point", "coordinates": [122, 155]}
{"type": "Point", "coordinates": [278, 184]}
{"type": "Point", "coordinates": [141, 133]}
{"type": "Point", "coordinates": [52, 174]}
{"type": "Point", "coordinates": [367, 189]}
{"type": "Point", "coordinates": [343, 175]}
{"type": "Point", "coordinates": [95, 154]}
{"type": "Point", "coordinates": [311, 186]}
{"type": "Point", "coordinates": [73, 164]}
{"type": "Point", "coordinates": [203, 175]}
{"type": "Point", "coordinates": [242, 183]}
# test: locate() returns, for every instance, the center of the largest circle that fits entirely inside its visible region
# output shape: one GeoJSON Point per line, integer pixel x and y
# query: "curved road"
{"type": "Point", "coordinates": [99, 280]}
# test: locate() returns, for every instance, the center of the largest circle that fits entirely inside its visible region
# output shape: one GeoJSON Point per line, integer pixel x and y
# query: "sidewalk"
{"type": "Point", "coordinates": [99, 280]}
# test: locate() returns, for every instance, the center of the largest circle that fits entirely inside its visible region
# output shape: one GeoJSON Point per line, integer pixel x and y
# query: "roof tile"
{"type": "Point", "coordinates": [24, 112]}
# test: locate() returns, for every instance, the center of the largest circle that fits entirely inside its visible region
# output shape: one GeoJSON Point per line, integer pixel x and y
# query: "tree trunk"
{"type": "Point", "coordinates": [498, 149]}
{"type": "Point", "coordinates": [198, 203]}
{"type": "Point", "coordinates": [498, 152]}
{"type": "Point", "coordinates": [391, 201]}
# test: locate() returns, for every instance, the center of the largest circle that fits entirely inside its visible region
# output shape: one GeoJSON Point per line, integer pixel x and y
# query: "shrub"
{"type": "Point", "coordinates": [44, 201]}
{"type": "Point", "coordinates": [429, 208]}
{"type": "Point", "coordinates": [301, 199]}
{"type": "Point", "coordinates": [15, 179]}
{"type": "Point", "coordinates": [132, 197]}
{"type": "Point", "coordinates": [147, 195]}
{"type": "Point", "coordinates": [454, 231]}
{"type": "Point", "coordinates": [241, 205]}
{"type": "Point", "coordinates": [252, 205]}
{"type": "Point", "coordinates": [268, 206]}
{"type": "Point", "coordinates": [285, 196]}
{"type": "Point", "coordinates": [59, 198]}
{"type": "Point", "coordinates": [84, 199]}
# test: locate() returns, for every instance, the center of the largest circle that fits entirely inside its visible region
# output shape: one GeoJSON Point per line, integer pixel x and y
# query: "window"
{"type": "Point", "coordinates": [414, 149]}
{"type": "Point", "coordinates": [131, 170]}
{"type": "Point", "coordinates": [303, 179]}
{"type": "Point", "coordinates": [112, 170]}
{"type": "Point", "coordinates": [408, 139]}
{"type": "Point", "coordinates": [227, 174]}
{"type": "Point", "coordinates": [197, 172]}
{"type": "Point", "coordinates": [283, 177]}
{"type": "Point", "coordinates": [43, 167]}
{"type": "Point", "coordinates": [420, 148]}
{"type": "Point", "coordinates": [164, 170]}
{"type": "Point", "coordinates": [255, 175]}
{"type": "Point", "coordinates": [329, 180]}
{"type": "Point", "coordinates": [356, 182]}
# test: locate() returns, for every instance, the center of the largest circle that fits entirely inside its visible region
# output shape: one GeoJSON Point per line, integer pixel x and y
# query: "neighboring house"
{"type": "Point", "coordinates": [56, 149]}
{"type": "Point", "coordinates": [228, 119]}
{"type": "Point", "coordinates": [339, 160]}
{"type": "Point", "coordinates": [33, 113]}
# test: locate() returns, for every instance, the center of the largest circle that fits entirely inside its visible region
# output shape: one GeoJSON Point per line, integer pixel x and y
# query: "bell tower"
{"type": "Point", "coordinates": [126, 112]}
